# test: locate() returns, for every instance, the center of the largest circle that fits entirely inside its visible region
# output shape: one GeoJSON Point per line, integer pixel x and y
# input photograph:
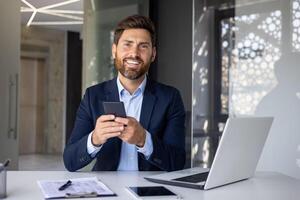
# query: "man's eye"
{"type": "Point", "coordinates": [126, 44]}
{"type": "Point", "coordinates": [144, 46]}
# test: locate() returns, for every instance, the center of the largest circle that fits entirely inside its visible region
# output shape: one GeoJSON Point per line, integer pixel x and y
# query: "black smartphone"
{"type": "Point", "coordinates": [150, 192]}
{"type": "Point", "coordinates": [114, 108]}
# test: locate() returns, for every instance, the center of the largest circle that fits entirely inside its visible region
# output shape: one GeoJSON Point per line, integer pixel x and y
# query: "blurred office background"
{"type": "Point", "coordinates": [228, 58]}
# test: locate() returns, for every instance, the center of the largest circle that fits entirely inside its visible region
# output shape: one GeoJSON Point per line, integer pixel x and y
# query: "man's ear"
{"type": "Point", "coordinates": [114, 50]}
{"type": "Point", "coordinates": [153, 54]}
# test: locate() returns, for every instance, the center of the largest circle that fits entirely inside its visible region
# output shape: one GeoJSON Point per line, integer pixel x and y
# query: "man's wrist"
{"type": "Point", "coordinates": [93, 140]}
{"type": "Point", "coordinates": [147, 148]}
{"type": "Point", "coordinates": [91, 148]}
{"type": "Point", "coordinates": [142, 141]}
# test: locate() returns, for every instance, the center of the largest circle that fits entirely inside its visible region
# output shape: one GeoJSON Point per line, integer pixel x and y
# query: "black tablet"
{"type": "Point", "coordinates": [151, 192]}
{"type": "Point", "coordinates": [114, 108]}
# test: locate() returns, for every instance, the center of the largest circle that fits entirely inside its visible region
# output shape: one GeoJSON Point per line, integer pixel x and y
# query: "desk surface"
{"type": "Point", "coordinates": [264, 186]}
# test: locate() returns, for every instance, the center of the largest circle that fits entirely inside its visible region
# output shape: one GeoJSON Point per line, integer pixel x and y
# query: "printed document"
{"type": "Point", "coordinates": [80, 187]}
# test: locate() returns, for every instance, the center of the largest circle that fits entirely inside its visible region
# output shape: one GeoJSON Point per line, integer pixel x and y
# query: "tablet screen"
{"type": "Point", "coordinates": [151, 191]}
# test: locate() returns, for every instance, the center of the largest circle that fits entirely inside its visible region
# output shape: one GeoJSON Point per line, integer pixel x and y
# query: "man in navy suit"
{"type": "Point", "coordinates": [152, 136]}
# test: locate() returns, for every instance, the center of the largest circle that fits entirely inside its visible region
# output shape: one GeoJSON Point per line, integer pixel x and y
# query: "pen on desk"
{"type": "Point", "coordinates": [64, 186]}
{"type": "Point", "coordinates": [6, 163]}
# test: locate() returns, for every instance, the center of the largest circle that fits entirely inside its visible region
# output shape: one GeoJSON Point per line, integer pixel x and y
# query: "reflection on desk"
{"type": "Point", "coordinates": [264, 186]}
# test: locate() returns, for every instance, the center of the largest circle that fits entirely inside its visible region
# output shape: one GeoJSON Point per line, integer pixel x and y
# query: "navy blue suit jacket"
{"type": "Point", "coordinates": [162, 115]}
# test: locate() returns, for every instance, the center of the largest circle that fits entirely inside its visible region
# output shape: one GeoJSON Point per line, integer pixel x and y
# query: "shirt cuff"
{"type": "Point", "coordinates": [147, 149]}
{"type": "Point", "coordinates": [92, 149]}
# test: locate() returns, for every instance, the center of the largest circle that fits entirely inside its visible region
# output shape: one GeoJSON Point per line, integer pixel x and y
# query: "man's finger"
{"type": "Point", "coordinates": [104, 118]}
{"type": "Point", "coordinates": [110, 124]}
{"type": "Point", "coordinates": [109, 130]}
{"type": "Point", "coordinates": [121, 120]}
{"type": "Point", "coordinates": [123, 137]}
{"type": "Point", "coordinates": [111, 135]}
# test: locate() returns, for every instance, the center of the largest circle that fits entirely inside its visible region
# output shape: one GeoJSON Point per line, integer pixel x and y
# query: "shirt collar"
{"type": "Point", "coordinates": [141, 87]}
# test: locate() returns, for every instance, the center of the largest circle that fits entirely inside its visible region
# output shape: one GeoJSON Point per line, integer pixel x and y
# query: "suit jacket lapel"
{"type": "Point", "coordinates": [111, 91]}
{"type": "Point", "coordinates": [148, 104]}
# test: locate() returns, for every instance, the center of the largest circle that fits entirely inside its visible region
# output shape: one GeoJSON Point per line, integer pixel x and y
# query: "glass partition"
{"type": "Point", "coordinates": [246, 62]}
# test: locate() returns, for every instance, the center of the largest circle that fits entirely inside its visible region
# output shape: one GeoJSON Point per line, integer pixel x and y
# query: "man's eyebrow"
{"type": "Point", "coordinates": [148, 43]}
{"type": "Point", "coordinates": [128, 41]}
{"type": "Point", "coordinates": [131, 41]}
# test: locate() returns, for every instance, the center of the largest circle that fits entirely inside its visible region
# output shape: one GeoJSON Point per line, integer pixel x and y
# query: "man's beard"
{"type": "Point", "coordinates": [131, 74]}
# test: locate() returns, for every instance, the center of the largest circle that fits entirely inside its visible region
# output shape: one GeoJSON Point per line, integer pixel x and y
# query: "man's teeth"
{"type": "Point", "coordinates": [132, 62]}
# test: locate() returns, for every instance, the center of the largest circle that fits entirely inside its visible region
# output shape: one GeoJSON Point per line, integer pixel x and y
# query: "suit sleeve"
{"type": "Point", "coordinates": [169, 151]}
{"type": "Point", "coordinates": [75, 153]}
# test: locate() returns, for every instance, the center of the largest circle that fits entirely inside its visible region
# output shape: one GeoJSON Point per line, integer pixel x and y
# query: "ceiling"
{"type": "Point", "coordinates": [56, 14]}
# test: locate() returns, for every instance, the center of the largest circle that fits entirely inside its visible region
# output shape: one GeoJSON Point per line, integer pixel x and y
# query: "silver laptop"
{"type": "Point", "coordinates": [236, 158]}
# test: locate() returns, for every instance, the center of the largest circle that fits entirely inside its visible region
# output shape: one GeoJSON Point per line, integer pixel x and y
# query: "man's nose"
{"type": "Point", "coordinates": [134, 51]}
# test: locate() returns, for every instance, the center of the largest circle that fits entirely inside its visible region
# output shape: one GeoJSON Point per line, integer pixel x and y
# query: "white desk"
{"type": "Point", "coordinates": [264, 186]}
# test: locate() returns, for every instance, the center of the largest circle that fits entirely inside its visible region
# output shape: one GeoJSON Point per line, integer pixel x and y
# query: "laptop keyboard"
{"type": "Point", "coordinates": [195, 178]}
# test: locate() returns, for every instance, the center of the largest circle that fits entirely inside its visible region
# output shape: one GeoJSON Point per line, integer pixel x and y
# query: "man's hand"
{"type": "Point", "coordinates": [106, 128]}
{"type": "Point", "coordinates": [133, 132]}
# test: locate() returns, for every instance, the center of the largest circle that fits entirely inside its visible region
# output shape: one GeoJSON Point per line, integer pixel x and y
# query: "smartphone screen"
{"type": "Point", "coordinates": [153, 191]}
{"type": "Point", "coordinates": [114, 108]}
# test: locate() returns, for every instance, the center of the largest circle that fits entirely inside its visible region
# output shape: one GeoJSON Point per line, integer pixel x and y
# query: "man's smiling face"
{"type": "Point", "coordinates": [134, 53]}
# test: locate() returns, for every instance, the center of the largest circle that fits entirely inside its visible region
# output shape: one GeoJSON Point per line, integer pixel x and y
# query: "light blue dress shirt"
{"type": "Point", "coordinates": [129, 152]}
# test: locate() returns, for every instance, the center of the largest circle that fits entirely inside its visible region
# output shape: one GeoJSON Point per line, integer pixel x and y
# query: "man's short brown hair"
{"type": "Point", "coordinates": [132, 22]}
